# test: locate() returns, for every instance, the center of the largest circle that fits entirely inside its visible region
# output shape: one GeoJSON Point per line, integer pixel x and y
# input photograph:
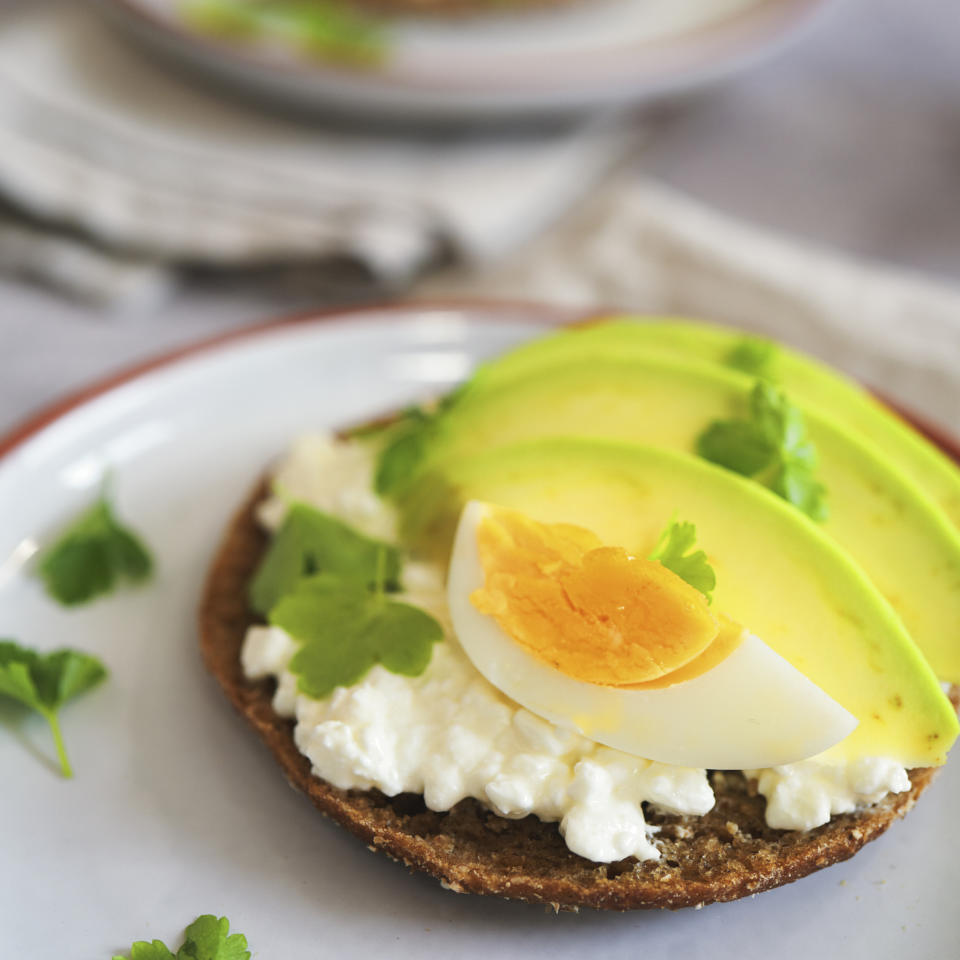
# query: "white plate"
{"type": "Point", "coordinates": [177, 809]}
{"type": "Point", "coordinates": [589, 54]}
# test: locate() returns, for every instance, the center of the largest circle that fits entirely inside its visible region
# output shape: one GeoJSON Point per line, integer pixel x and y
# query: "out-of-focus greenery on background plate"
{"type": "Point", "coordinates": [323, 28]}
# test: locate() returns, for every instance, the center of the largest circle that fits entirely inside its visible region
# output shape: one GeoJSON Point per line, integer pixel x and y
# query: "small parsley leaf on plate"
{"type": "Point", "coordinates": [755, 356]}
{"type": "Point", "coordinates": [770, 446]}
{"type": "Point", "coordinates": [45, 682]}
{"type": "Point", "coordinates": [154, 950]}
{"type": "Point", "coordinates": [90, 556]}
{"type": "Point", "coordinates": [207, 938]}
{"type": "Point", "coordinates": [345, 629]}
{"type": "Point", "coordinates": [311, 541]}
{"type": "Point", "coordinates": [675, 551]}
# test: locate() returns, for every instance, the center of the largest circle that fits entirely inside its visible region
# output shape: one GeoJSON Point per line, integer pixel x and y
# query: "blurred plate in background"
{"type": "Point", "coordinates": [565, 59]}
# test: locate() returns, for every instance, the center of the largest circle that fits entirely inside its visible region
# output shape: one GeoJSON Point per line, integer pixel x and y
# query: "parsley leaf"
{"type": "Point", "coordinates": [673, 551]}
{"type": "Point", "coordinates": [771, 447]}
{"type": "Point", "coordinates": [755, 356]}
{"type": "Point", "coordinates": [737, 445]}
{"type": "Point", "coordinates": [311, 541]}
{"type": "Point", "coordinates": [207, 938]}
{"type": "Point", "coordinates": [45, 682]}
{"type": "Point", "coordinates": [346, 629]}
{"type": "Point", "coordinates": [408, 443]}
{"type": "Point", "coordinates": [154, 950]}
{"type": "Point", "coordinates": [405, 450]}
{"type": "Point", "coordinates": [90, 555]}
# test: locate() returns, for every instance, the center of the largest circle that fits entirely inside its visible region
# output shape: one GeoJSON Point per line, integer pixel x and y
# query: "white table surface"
{"type": "Point", "coordinates": [848, 139]}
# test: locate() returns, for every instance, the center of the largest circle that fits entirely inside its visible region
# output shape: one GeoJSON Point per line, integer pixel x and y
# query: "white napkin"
{"type": "Point", "coordinates": [643, 248]}
{"type": "Point", "coordinates": [95, 135]}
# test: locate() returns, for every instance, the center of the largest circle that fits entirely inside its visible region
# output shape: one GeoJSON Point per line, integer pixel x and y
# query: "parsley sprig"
{"type": "Point", "coordinates": [91, 555]}
{"type": "Point", "coordinates": [327, 585]}
{"type": "Point", "coordinates": [310, 541]}
{"type": "Point", "coordinates": [207, 938]}
{"type": "Point", "coordinates": [675, 551]}
{"type": "Point", "coordinates": [408, 441]}
{"type": "Point", "coordinates": [754, 355]}
{"type": "Point", "coordinates": [404, 452]}
{"type": "Point", "coordinates": [345, 629]}
{"type": "Point", "coordinates": [769, 445]}
{"type": "Point", "coordinates": [45, 682]}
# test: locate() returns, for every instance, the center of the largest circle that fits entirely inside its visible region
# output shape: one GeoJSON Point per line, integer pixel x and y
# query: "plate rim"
{"type": "Point", "coordinates": [743, 40]}
{"type": "Point", "coordinates": [47, 414]}
{"type": "Point", "coordinates": [495, 311]}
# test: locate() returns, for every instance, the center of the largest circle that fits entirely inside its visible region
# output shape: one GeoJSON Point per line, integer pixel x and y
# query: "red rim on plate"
{"type": "Point", "coordinates": [496, 312]}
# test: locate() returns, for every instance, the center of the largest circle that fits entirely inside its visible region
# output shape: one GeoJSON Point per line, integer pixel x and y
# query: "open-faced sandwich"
{"type": "Point", "coordinates": [645, 614]}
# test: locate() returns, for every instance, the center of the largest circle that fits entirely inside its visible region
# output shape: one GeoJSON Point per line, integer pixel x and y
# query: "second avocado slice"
{"type": "Point", "coordinates": [808, 381]}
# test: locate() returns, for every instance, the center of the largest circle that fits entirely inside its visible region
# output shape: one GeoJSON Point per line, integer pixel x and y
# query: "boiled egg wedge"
{"type": "Point", "coordinates": [623, 651]}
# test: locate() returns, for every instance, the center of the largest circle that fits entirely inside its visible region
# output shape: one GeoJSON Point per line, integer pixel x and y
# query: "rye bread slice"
{"type": "Point", "coordinates": [727, 854]}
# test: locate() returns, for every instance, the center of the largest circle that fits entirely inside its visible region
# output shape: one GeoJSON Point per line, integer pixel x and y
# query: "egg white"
{"type": "Point", "coordinates": [751, 710]}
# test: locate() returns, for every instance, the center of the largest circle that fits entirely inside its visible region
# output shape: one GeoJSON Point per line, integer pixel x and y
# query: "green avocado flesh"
{"type": "Point", "coordinates": [887, 524]}
{"type": "Point", "coordinates": [777, 572]}
{"type": "Point", "coordinates": [807, 381]}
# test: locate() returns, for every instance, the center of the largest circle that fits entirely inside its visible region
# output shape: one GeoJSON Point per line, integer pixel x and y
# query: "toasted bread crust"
{"type": "Point", "coordinates": [726, 854]}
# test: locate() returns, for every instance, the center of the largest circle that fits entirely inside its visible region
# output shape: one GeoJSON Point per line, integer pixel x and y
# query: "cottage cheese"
{"type": "Point", "coordinates": [804, 795]}
{"type": "Point", "coordinates": [449, 734]}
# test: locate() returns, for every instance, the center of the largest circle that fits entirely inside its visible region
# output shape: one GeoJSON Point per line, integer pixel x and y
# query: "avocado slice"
{"type": "Point", "coordinates": [881, 517]}
{"type": "Point", "coordinates": [809, 383]}
{"type": "Point", "coordinates": [777, 572]}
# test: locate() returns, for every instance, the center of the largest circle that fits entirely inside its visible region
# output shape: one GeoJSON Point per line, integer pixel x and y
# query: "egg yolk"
{"type": "Point", "coordinates": [592, 611]}
{"type": "Point", "coordinates": [727, 640]}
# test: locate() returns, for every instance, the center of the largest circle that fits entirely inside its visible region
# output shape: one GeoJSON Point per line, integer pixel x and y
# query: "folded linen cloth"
{"type": "Point", "coordinates": [97, 137]}
{"type": "Point", "coordinates": [638, 246]}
